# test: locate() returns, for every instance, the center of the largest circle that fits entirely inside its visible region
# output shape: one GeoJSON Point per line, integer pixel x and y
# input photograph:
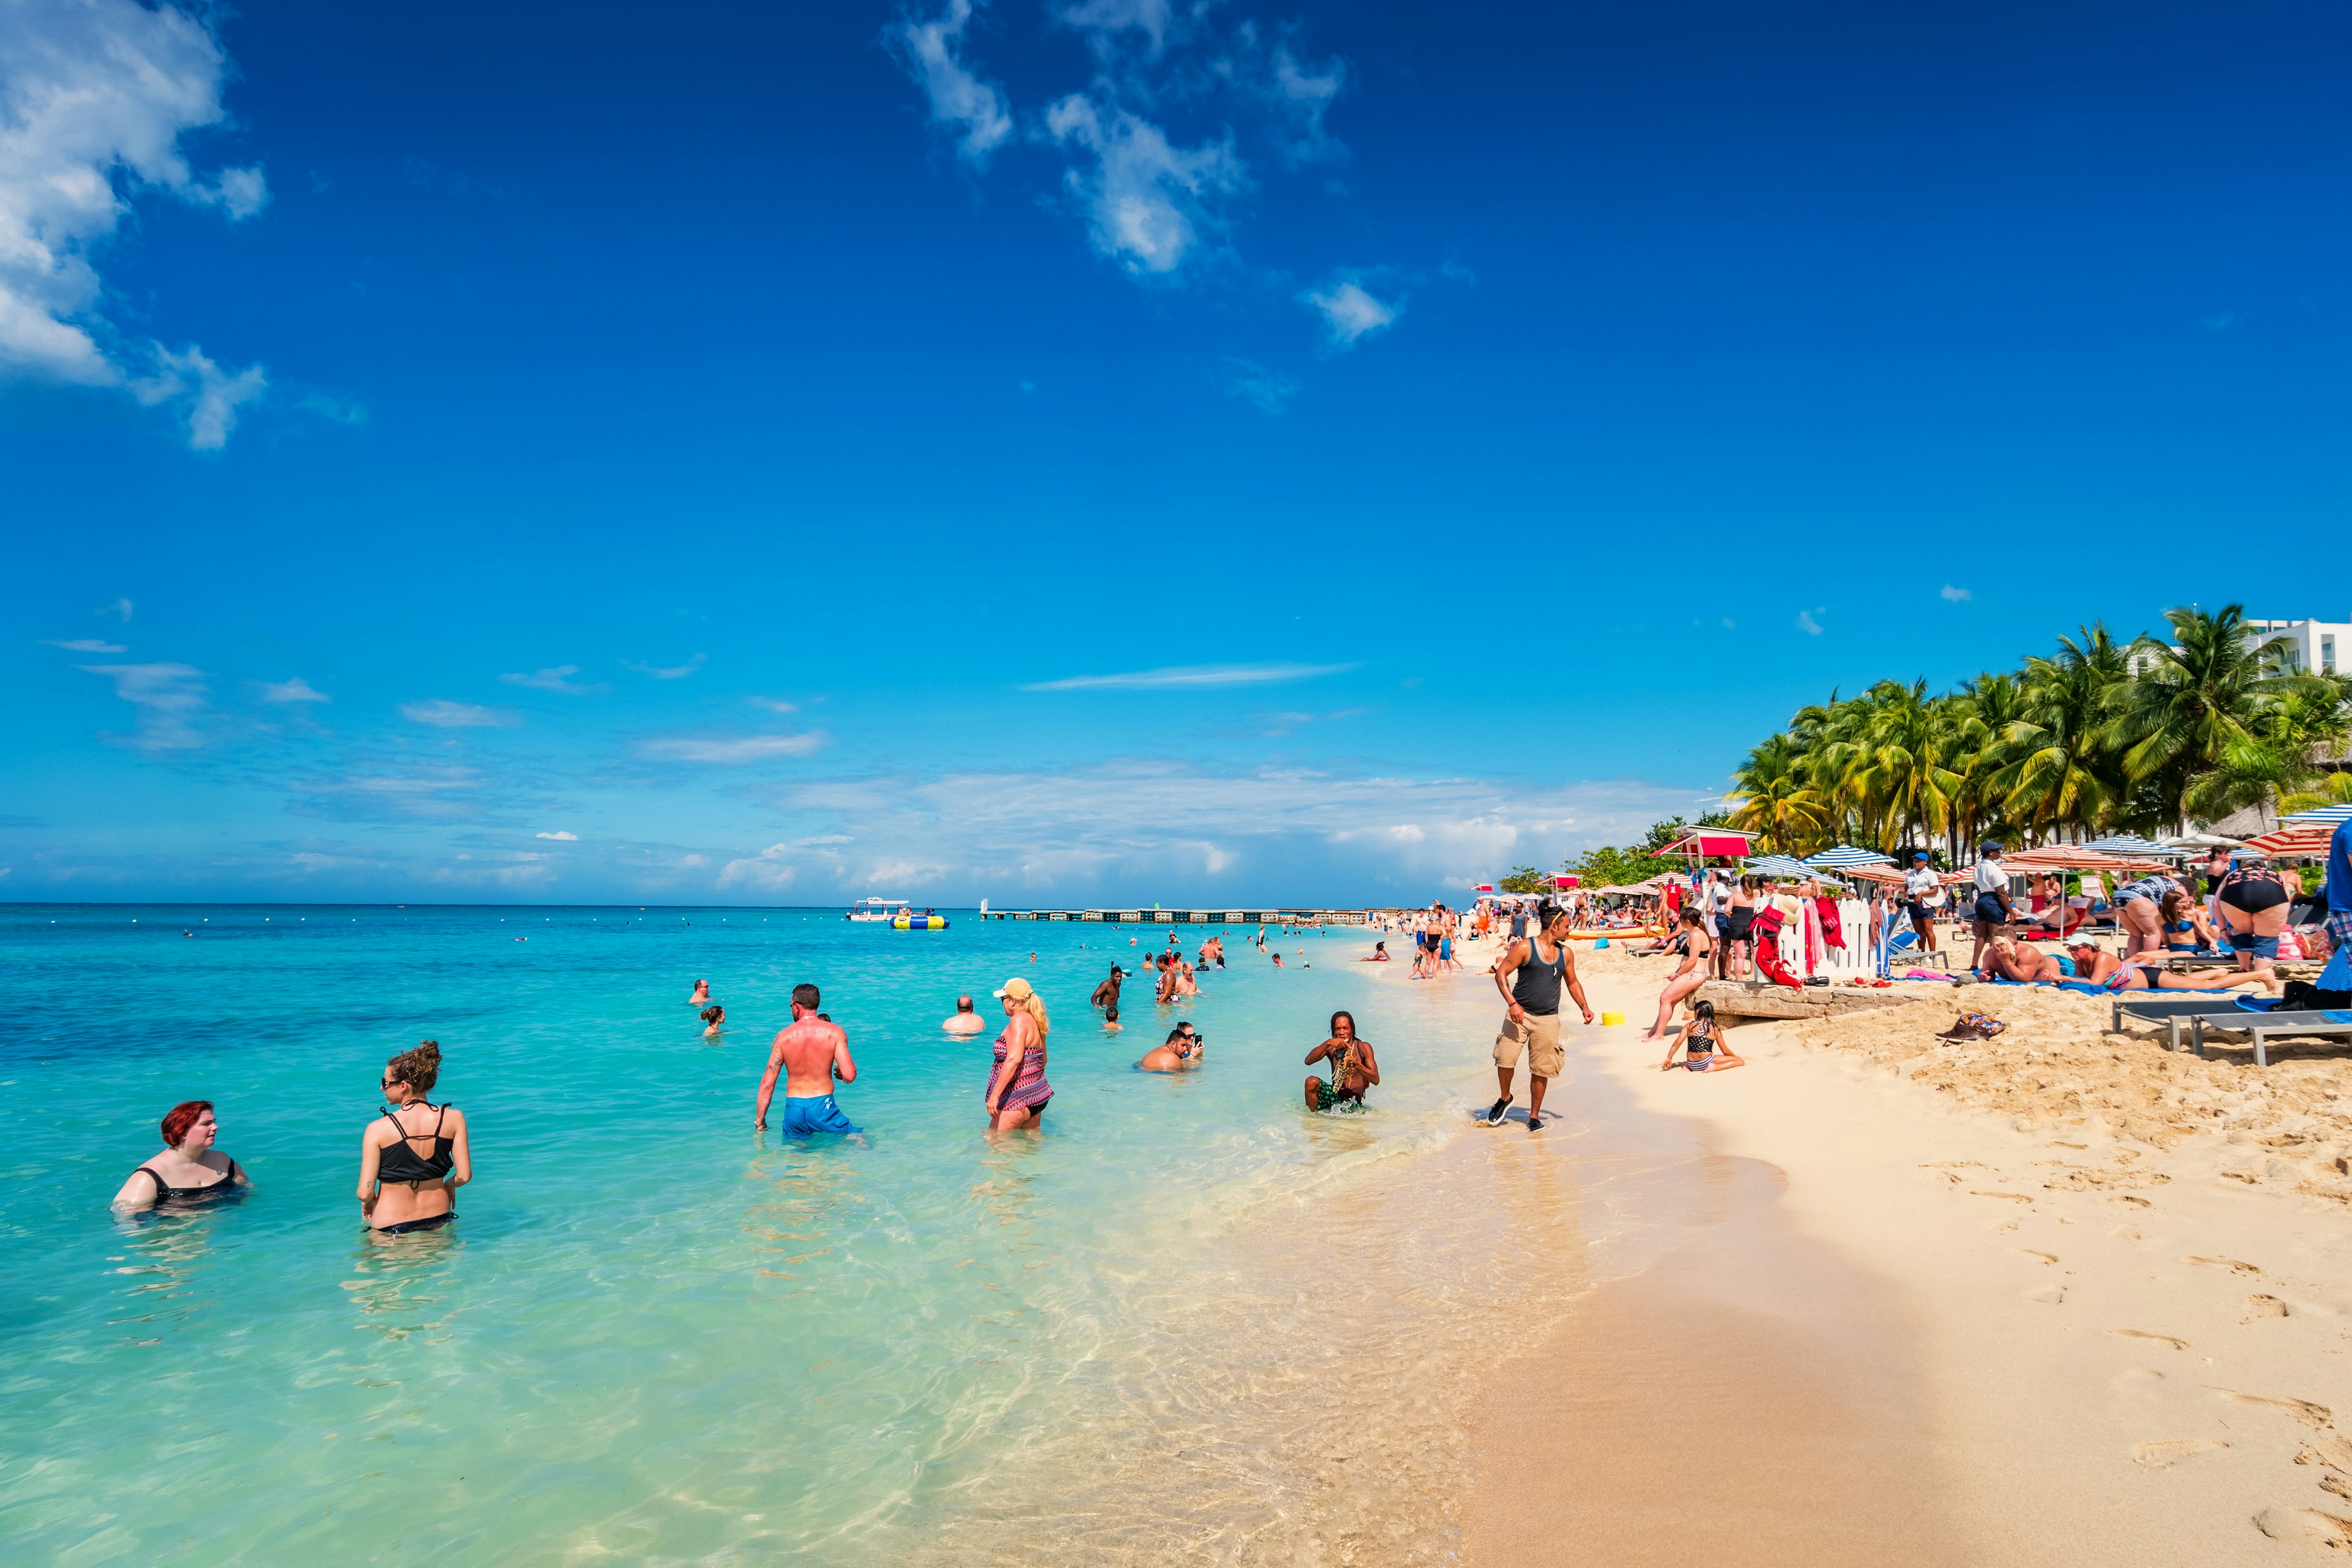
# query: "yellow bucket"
{"type": "Point", "coordinates": [1609, 1019]}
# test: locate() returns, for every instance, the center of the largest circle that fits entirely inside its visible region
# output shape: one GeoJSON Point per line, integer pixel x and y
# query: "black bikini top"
{"type": "Point", "coordinates": [166, 1190]}
{"type": "Point", "coordinates": [399, 1163]}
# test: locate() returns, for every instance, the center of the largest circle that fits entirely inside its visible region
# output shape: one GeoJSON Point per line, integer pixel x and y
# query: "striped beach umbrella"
{"type": "Point", "coordinates": [2132, 844]}
{"type": "Point", "coordinates": [1779, 866]}
{"type": "Point", "coordinates": [1846, 856]}
{"type": "Point", "coordinates": [2318, 817]}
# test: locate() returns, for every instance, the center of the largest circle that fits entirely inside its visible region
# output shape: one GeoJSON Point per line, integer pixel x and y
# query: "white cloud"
{"type": "Point", "coordinates": [1954, 596]}
{"type": "Point", "coordinates": [121, 610]}
{"type": "Point", "coordinates": [168, 697]}
{"type": "Point", "coordinates": [1807, 625]}
{"type": "Point", "coordinates": [295, 690]}
{"type": "Point", "coordinates": [1145, 199]}
{"type": "Point", "coordinates": [742, 749]}
{"type": "Point", "coordinates": [1192, 675]}
{"type": "Point", "coordinates": [562, 838]}
{"type": "Point", "coordinates": [773, 704]}
{"type": "Point", "coordinates": [1104, 20]}
{"type": "Point", "coordinates": [961, 101]}
{"type": "Point", "coordinates": [673, 672]}
{"type": "Point", "coordinates": [769, 871]}
{"type": "Point", "coordinates": [1349, 313]}
{"type": "Point", "coordinates": [552, 680]}
{"type": "Point", "coordinates": [93, 92]}
{"type": "Point", "coordinates": [210, 394]}
{"type": "Point", "coordinates": [443, 714]}
{"type": "Point", "coordinates": [1254, 383]}
{"type": "Point", "coordinates": [86, 644]}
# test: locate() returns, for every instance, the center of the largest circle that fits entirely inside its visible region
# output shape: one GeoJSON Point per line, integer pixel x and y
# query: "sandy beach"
{"type": "Point", "coordinates": [2062, 1297]}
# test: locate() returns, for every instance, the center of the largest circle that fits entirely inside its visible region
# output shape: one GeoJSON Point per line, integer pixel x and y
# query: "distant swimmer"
{"type": "Point", "coordinates": [1702, 1044]}
{"type": "Point", "coordinates": [701, 994]}
{"type": "Point", "coordinates": [713, 1015]}
{"type": "Point", "coordinates": [1017, 1092]}
{"type": "Point", "coordinates": [1106, 994]}
{"type": "Point", "coordinates": [189, 1168]}
{"type": "Point", "coordinates": [1110, 1020]}
{"type": "Point", "coordinates": [404, 1186]}
{"type": "Point", "coordinates": [811, 1052]}
{"type": "Point", "coordinates": [1354, 1068]}
{"type": "Point", "coordinates": [1277, 961]}
{"type": "Point", "coordinates": [964, 1020]}
{"type": "Point", "coordinates": [1180, 1054]}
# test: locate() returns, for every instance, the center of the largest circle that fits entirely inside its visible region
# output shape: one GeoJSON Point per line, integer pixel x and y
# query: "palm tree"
{"type": "Point", "coordinates": [2056, 773]}
{"type": "Point", "coordinates": [2191, 722]}
{"type": "Point", "coordinates": [1908, 752]}
{"type": "Point", "coordinates": [1775, 803]}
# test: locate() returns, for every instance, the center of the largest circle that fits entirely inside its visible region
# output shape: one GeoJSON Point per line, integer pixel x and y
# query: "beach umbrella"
{"type": "Point", "coordinates": [1846, 856]}
{"type": "Point", "coordinates": [1708, 841]}
{"type": "Point", "coordinates": [2065, 858]}
{"type": "Point", "coordinates": [2289, 842]}
{"type": "Point", "coordinates": [2133, 843]}
{"type": "Point", "coordinates": [2203, 841]}
{"type": "Point", "coordinates": [2322, 816]}
{"type": "Point", "coordinates": [1779, 866]}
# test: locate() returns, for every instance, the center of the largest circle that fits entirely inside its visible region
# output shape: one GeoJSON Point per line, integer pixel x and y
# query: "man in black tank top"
{"type": "Point", "coordinates": [1531, 976]}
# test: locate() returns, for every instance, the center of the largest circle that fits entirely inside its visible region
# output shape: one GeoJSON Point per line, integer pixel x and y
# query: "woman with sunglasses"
{"type": "Point", "coordinates": [413, 1158]}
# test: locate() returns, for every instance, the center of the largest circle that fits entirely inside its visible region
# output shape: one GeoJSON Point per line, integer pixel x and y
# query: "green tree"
{"type": "Point", "coordinates": [2054, 770]}
{"type": "Point", "coordinates": [1524, 880]}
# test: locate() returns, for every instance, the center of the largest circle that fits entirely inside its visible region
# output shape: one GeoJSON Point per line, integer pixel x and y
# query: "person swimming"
{"type": "Point", "coordinates": [402, 1187]}
{"type": "Point", "coordinates": [1180, 1054]}
{"type": "Point", "coordinates": [189, 1169]}
{"type": "Point", "coordinates": [713, 1015]}
{"type": "Point", "coordinates": [1354, 1068]}
{"type": "Point", "coordinates": [1111, 1019]}
{"type": "Point", "coordinates": [701, 994]}
{"type": "Point", "coordinates": [964, 1020]}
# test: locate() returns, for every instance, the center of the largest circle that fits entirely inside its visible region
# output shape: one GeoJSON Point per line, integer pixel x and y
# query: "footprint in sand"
{"type": "Point", "coordinates": [2039, 1256]}
{"type": "Point", "coordinates": [2136, 1203]}
{"type": "Point", "coordinates": [2157, 1455]}
{"type": "Point", "coordinates": [2012, 1197]}
{"type": "Point", "coordinates": [2144, 1334]}
{"type": "Point", "coordinates": [2231, 1263]}
{"type": "Point", "coordinates": [2125, 1233]}
{"type": "Point", "coordinates": [2048, 1295]}
{"type": "Point", "coordinates": [2261, 1307]}
{"type": "Point", "coordinates": [2328, 1448]}
{"type": "Point", "coordinates": [2304, 1524]}
{"type": "Point", "coordinates": [2313, 1416]}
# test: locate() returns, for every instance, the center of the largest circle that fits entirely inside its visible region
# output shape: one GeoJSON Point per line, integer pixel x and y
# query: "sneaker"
{"type": "Point", "coordinates": [1495, 1111]}
{"type": "Point", "coordinates": [1535, 1122]}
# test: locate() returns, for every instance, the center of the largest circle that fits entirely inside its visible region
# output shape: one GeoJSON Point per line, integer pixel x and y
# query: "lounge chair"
{"type": "Point", "coordinates": [2267, 1026]}
{"type": "Point", "coordinates": [2172, 1011]}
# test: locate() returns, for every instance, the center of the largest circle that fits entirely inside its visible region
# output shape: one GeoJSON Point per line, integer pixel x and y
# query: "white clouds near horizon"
{"type": "Point", "coordinates": [85, 645]}
{"type": "Point", "coordinates": [561, 837]}
{"type": "Point", "coordinates": [443, 714]}
{"type": "Point", "coordinates": [738, 749]}
{"type": "Point", "coordinates": [557, 679]}
{"type": "Point", "coordinates": [1952, 595]}
{"type": "Point", "coordinates": [1191, 675]}
{"type": "Point", "coordinates": [91, 90]}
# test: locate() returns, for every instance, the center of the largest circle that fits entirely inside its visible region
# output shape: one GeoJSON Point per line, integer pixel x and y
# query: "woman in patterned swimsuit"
{"type": "Point", "coordinates": [1017, 1090]}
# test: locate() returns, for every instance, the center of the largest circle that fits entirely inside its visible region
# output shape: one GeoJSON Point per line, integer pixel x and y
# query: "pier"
{"type": "Point", "coordinates": [1188, 917]}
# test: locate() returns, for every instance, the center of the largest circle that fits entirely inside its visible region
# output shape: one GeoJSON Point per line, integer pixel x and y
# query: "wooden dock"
{"type": "Point", "coordinates": [1188, 917]}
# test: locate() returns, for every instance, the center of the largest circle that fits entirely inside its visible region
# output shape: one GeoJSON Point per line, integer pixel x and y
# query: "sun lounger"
{"type": "Point", "coordinates": [2172, 1011]}
{"type": "Point", "coordinates": [2267, 1026]}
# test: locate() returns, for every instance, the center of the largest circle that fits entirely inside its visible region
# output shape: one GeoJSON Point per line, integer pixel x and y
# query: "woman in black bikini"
{"type": "Point", "coordinates": [189, 1169]}
{"type": "Point", "coordinates": [413, 1158]}
{"type": "Point", "coordinates": [2253, 902]}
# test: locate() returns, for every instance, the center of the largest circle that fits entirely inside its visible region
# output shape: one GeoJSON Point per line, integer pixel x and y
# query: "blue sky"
{"type": "Point", "coordinates": [1100, 452]}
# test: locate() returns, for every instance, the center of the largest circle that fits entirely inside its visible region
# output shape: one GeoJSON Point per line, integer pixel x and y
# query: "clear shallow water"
{"type": "Point", "coordinates": [652, 1333]}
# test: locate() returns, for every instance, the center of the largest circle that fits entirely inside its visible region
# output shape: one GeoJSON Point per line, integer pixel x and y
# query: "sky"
{"type": "Point", "coordinates": [1100, 452]}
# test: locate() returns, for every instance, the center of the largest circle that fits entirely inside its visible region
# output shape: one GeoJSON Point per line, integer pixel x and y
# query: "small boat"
{"type": "Point", "coordinates": [877, 911]}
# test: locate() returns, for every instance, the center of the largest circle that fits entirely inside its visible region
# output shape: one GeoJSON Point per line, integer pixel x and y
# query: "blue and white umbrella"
{"type": "Point", "coordinates": [1846, 854]}
{"type": "Point", "coordinates": [2318, 817]}
{"type": "Point", "coordinates": [2133, 845]}
{"type": "Point", "coordinates": [1781, 866]}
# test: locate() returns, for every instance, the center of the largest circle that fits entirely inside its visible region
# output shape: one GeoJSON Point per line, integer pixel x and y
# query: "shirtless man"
{"type": "Point", "coordinates": [1180, 1054]}
{"type": "Point", "coordinates": [1106, 994]}
{"type": "Point", "coordinates": [964, 1021]}
{"type": "Point", "coordinates": [811, 1052]}
{"type": "Point", "coordinates": [2021, 961]}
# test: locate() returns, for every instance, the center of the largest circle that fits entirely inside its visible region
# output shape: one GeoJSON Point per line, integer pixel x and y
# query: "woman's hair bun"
{"type": "Point", "coordinates": [418, 1069]}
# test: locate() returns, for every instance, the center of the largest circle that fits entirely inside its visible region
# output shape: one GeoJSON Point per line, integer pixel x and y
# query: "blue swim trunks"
{"type": "Point", "coordinates": [815, 1114]}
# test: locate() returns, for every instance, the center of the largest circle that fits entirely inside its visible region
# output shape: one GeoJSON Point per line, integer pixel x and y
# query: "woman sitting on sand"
{"type": "Point", "coordinates": [2146, 973]}
{"type": "Point", "coordinates": [189, 1169]}
{"type": "Point", "coordinates": [1354, 1068]}
{"type": "Point", "coordinates": [1702, 1044]}
{"type": "Point", "coordinates": [1379, 953]}
{"type": "Point", "coordinates": [1696, 967]}
{"type": "Point", "coordinates": [415, 1157]}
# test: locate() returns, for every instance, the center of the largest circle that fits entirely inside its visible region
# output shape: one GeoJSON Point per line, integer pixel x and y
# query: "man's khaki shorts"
{"type": "Point", "coordinates": [1538, 1036]}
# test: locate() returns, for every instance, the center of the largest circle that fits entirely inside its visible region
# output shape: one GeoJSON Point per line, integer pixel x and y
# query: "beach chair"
{"type": "Point", "coordinates": [2172, 1012]}
{"type": "Point", "coordinates": [2267, 1026]}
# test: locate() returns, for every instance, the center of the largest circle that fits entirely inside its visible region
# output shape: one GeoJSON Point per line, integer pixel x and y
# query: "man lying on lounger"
{"type": "Point", "coordinates": [2145, 972]}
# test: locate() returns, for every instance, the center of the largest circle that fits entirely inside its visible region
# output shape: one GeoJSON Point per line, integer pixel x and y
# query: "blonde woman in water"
{"type": "Point", "coordinates": [1017, 1090]}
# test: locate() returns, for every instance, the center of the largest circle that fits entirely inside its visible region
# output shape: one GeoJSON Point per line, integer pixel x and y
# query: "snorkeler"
{"type": "Point", "coordinates": [189, 1167]}
{"type": "Point", "coordinates": [1354, 1068]}
{"type": "Point", "coordinates": [811, 1051]}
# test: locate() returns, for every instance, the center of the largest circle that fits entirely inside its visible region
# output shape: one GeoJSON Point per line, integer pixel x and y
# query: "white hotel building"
{"type": "Point", "coordinates": [2321, 647]}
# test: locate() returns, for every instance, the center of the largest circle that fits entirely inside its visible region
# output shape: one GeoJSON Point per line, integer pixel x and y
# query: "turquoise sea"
{"type": "Point", "coordinates": [654, 1334]}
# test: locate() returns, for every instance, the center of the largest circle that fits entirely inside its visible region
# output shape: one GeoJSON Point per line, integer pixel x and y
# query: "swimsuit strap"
{"type": "Point", "coordinates": [161, 1186]}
